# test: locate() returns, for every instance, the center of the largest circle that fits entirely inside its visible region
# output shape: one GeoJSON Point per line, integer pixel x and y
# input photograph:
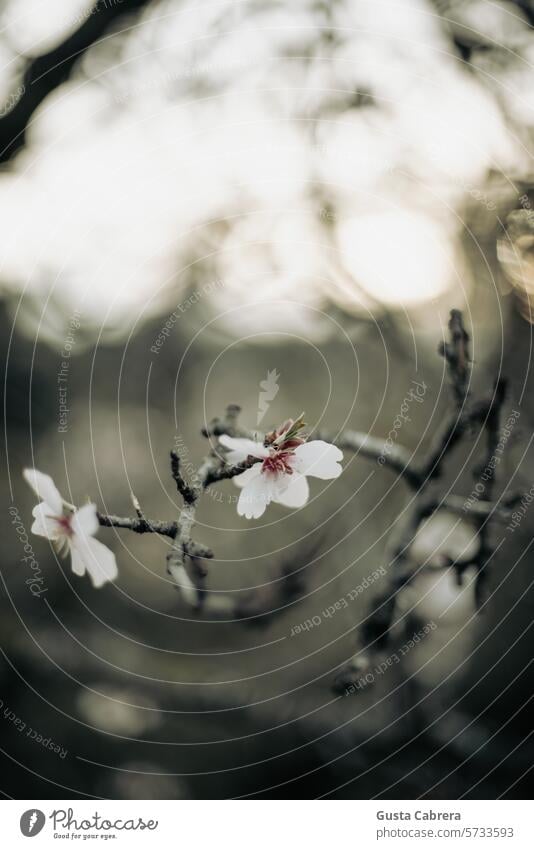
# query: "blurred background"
{"type": "Point", "coordinates": [194, 195]}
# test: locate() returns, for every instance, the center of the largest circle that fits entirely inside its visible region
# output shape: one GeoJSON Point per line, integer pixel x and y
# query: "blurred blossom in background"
{"type": "Point", "coordinates": [319, 153]}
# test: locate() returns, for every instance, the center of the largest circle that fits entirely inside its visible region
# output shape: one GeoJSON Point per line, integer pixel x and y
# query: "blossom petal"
{"type": "Point", "coordinates": [247, 476]}
{"type": "Point", "coordinates": [77, 562]}
{"type": "Point", "coordinates": [240, 449]}
{"type": "Point", "coordinates": [90, 555]}
{"type": "Point", "coordinates": [296, 494]}
{"type": "Point", "coordinates": [318, 459]}
{"type": "Point", "coordinates": [45, 489]}
{"type": "Point", "coordinates": [84, 522]}
{"type": "Point", "coordinates": [255, 496]}
{"type": "Point", "coordinates": [45, 525]}
{"type": "Point", "coordinates": [444, 538]}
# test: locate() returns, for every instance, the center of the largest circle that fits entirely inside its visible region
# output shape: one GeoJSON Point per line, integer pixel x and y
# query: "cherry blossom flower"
{"type": "Point", "coordinates": [70, 530]}
{"type": "Point", "coordinates": [286, 461]}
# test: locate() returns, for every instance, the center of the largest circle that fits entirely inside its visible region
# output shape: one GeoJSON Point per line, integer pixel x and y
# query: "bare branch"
{"type": "Point", "coordinates": [228, 425]}
{"type": "Point", "coordinates": [46, 72]}
{"type": "Point", "coordinates": [477, 510]}
{"type": "Point", "coordinates": [395, 457]}
{"type": "Point", "coordinates": [138, 525]}
{"type": "Point", "coordinates": [224, 473]}
{"type": "Point", "coordinates": [375, 630]}
{"type": "Point", "coordinates": [486, 473]}
{"type": "Point", "coordinates": [187, 492]}
{"type": "Point", "coordinates": [457, 425]}
{"type": "Point", "coordinates": [456, 354]}
{"type": "Point", "coordinates": [150, 526]}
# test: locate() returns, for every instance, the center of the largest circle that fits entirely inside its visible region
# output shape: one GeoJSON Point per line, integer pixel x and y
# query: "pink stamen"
{"type": "Point", "coordinates": [64, 524]}
{"type": "Point", "coordinates": [278, 463]}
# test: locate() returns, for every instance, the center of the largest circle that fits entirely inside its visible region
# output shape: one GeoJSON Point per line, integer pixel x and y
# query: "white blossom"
{"type": "Point", "coordinates": [281, 476]}
{"type": "Point", "coordinates": [445, 538]}
{"type": "Point", "coordinates": [70, 530]}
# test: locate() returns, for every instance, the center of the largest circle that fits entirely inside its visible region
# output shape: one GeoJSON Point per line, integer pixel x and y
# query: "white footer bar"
{"type": "Point", "coordinates": [255, 824]}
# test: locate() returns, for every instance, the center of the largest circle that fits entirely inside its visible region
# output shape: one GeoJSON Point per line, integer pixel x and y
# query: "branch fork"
{"type": "Point", "coordinates": [184, 560]}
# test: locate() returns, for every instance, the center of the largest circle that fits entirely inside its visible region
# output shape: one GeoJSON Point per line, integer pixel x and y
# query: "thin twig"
{"type": "Point", "coordinates": [150, 526]}
{"type": "Point", "coordinates": [228, 425]}
{"type": "Point", "coordinates": [186, 491]}
{"type": "Point", "coordinates": [395, 457]}
{"type": "Point", "coordinates": [457, 355]}
{"type": "Point", "coordinates": [225, 473]}
{"type": "Point", "coordinates": [486, 476]}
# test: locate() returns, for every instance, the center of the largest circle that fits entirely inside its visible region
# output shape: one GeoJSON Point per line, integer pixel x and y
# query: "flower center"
{"type": "Point", "coordinates": [64, 525]}
{"type": "Point", "coordinates": [278, 463]}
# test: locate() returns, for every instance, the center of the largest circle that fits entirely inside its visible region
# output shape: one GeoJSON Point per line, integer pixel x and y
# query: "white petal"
{"type": "Point", "coordinates": [84, 521]}
{"type": "Point", "coordinates": [76, 562]}
{"type": "Point", "coordinates": [296, 494]}
{"type": "Point", "coordinates": [247, 476]}
{"type": "Point", "coordinates": [45, 489]}
{"type": "Point", "coordinates": [45, 525]}
{"type": "Point", "coordinates": [443, 538]}
{"type": "Point", "coordinates": [255, 496]}
{"type": "Point", "coordinates": [240, 449]}
{"type": "Point", "coordinates": [95, 557]}
{"type": "Point", "coordinates": [318, 459]}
